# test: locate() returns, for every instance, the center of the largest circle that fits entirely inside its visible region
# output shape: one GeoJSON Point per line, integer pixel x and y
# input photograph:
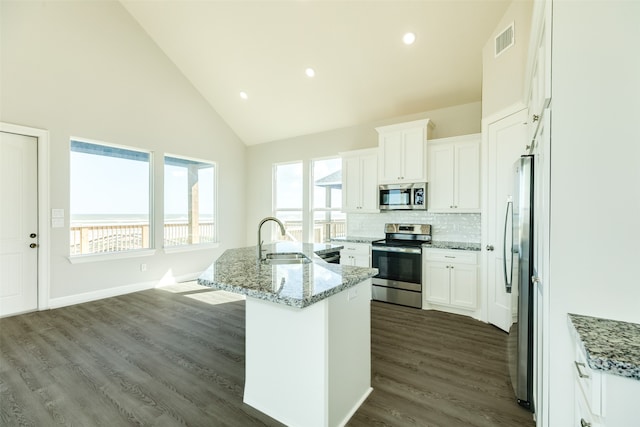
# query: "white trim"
{"type": "Point", "coordinates": [44, 243]}
{"type": "Point", "coordinates": [100, 294]}
{"type": "Point", "coordinates": [81, 259]}
{"type": "Point", "coordinates": [461, 138]}
{"type": "Point", "coordinates": [355, 407]}
{"type": "Point", "coordinates": [120, 290]}
{"type": "Point", "coordinates": [190, 248]}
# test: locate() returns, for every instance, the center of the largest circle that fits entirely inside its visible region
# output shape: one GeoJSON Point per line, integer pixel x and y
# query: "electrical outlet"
{"type": "Point", "coordinates": [143, 267]}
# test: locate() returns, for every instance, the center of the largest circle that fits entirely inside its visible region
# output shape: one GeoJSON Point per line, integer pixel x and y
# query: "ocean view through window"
{"type": "Point", "coordinates": [109, 198]}
{"type": "Point", "coordinates": [189, 202]}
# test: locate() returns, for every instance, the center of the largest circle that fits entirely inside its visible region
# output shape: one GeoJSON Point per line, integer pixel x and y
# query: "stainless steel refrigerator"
{"type": "Point", "coordinates": [518, 271]}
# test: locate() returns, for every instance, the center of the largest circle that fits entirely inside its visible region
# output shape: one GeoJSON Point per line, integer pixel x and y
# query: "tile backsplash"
{"type": "Point", "coordinates": [444, 227]}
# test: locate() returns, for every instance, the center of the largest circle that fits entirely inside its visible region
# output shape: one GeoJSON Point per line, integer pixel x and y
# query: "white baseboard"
{"type": "Point", "coordinates": [120, 290]}
{"type": "Point", "coordinates": [355, 407]}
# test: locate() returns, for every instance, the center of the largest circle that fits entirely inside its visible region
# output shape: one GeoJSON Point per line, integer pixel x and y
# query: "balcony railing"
{"type": "Point", "coordinates": [105, 238]}
{"type": "Point", "coordinates": [322, 230]}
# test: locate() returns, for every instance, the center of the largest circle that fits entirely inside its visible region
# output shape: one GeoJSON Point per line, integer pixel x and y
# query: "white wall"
{"type": "Point", "coordinates": [503, 77]}
{"type": "Point", "coordinates": [595, 176]}
{"type": "Point", "coordinates": [453, 121]}
{"type": "Point", "coordinates": [87, 69]}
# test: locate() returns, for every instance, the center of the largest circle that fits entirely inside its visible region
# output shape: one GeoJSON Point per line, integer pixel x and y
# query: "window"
{"type": "Point", "coordinates": [288, 197]}
{"type": "Point", "coordinates": [110, 198]}
{"type": "Point", "coordinates": [189, 202]}
{"type": "Point", "coordinates": [328, 220]}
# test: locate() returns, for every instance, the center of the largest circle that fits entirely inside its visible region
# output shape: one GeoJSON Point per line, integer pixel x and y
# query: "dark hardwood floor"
{"type": "Point", "coordinates": [175, 356]}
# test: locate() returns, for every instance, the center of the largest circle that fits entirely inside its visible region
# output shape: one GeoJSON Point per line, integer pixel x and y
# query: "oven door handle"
{"type": "Point", "coordinates": [396, 249]}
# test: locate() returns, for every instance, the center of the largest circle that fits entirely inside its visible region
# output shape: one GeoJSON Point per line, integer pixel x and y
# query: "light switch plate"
{"type": "Point", "coordinates": [57, 222]}
{"type": "Point", "coordinates": [57, 213]}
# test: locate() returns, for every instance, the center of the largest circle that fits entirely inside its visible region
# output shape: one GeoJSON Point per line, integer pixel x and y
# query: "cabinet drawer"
{"type": "Point", "coordinates": [356, 249]}
{"type": "Point", "coordinates": [589, 382]}
{"type": "Point", "coordinates": [455, 256]}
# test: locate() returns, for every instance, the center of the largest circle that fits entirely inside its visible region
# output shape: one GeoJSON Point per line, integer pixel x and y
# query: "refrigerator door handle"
{"type": "Point", "coordinates": [507, 280]}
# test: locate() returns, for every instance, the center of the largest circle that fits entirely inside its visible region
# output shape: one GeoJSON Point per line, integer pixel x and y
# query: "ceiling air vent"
{"type": "Point", "coordinates": [504, 40]}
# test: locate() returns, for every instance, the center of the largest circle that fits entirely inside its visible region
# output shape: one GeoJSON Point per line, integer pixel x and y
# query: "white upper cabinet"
{"type": "Point", "coordinates": [538, 90]}
{"type": "Point", "coordinates": [360, 181]}
{"type": "Point", "coordinates": [403, 154]}
{"type": "Point", "coordinates": [454, 174]}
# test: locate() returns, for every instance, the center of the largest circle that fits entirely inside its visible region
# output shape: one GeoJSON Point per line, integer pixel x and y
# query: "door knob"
{"type": "Point", "coordinates": [32, 235]}
{"type": "Point", "coordinates": [490, 247]}
{"type": "Point", "coordinates": [33, 245]}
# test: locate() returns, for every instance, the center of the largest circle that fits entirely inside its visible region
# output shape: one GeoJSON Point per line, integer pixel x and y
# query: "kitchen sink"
{"type": "Point", "coordinates": [286, 258]}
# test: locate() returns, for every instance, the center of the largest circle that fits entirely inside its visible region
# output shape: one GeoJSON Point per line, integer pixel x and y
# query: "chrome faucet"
{"type": "Point", "coordinates": [269, 218]}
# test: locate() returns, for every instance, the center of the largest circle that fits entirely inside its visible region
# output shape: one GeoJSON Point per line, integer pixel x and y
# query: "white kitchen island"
{"type": "Point", "coordinates": [308, 346]}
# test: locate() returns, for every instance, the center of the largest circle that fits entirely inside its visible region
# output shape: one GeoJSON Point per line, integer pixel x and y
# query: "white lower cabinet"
{"type": "Point", "coordinates": [602, 399]}
{"type": "Point", "coordinates": [356, 254]}
{"type": "Point", "coordinates": [450, 278]}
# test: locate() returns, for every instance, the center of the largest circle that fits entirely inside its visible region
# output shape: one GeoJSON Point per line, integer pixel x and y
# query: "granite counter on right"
{"type": "Point", "coordinates": [610, 346]}
{"type": "Point", "coordinates": [606, 371]}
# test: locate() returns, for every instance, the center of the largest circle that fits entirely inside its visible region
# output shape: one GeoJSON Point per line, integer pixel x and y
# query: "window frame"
{"type": "Point", "coordinates": [131, 253]}
{"type": "Point", "coordinates": [192, 246]}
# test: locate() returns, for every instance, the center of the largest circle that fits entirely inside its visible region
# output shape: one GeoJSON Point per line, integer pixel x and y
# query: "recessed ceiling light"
{"type": "Point", "coordinates": [409, 38]}
{"type": "Point", "coordinates": [243, 95]}
{"type": "Point", "coordinates": [310, 72]}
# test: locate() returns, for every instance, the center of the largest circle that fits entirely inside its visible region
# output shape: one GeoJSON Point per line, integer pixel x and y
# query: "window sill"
{"type": "Point", "coordinates": [81, 259]}
{"type": "Point", "coordinates": [190, 248]}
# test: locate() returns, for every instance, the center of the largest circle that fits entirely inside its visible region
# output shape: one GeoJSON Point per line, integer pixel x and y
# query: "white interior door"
{"type": "Point", "coordinates": [506, 142]}
{"type": "Point", "coordinates": [18, 224]}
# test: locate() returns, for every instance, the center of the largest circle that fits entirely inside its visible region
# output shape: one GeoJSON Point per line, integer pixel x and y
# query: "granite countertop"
{"type": "Point", "coordinates": [356, 239]}
{"type": "Point", "coordinates": [611, 346]}
{"type": "Point", "coordinates": [464, 246]}
{"type": "Point", "coordinates": [296, 285]}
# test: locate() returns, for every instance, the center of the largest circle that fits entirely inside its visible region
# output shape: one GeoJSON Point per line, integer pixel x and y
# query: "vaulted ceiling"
{"type": "Point", "coordinates": [363, 70]}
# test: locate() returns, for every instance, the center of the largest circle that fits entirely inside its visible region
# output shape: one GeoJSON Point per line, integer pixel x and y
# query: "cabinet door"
{"type": "Point", "coordinates": [467, 177]}
{"type": "Point", "coordinates": [350, 184]}
{"type": "Point", "coordinates": [413, 155]}
{"type": "Point", "coordinates": [441, 163]}
{"type": "Point", "coordinates": [540, 68]}
{"type": "Point", "coordinates": [464, 284]}
{"type": "Point", "coordinates": [390, 157]}
{"type": "Point", "coordinates": [369, 183]}
{"type": "Point", "coordinates": [436, 282]}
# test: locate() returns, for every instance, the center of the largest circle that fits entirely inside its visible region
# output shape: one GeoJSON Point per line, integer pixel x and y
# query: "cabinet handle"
{"type": "Point", "coordinates": [449, 256]}
{"type": "Point", "coordinates": [584, 423]}
{"type": "Point", "coordinates": [490, 247]}
{"type": "Point", "coordinates": [536, 117]}
{"type": "Point", "coordinates": [580, 373]}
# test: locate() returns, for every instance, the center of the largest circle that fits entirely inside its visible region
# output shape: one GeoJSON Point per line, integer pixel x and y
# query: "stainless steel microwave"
{"type": "Point", "coordinates": [403, 196]}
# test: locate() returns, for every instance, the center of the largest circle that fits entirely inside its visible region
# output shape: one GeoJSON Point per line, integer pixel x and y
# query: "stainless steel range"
{"type": "Point", "coordinates": [398, 259]}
